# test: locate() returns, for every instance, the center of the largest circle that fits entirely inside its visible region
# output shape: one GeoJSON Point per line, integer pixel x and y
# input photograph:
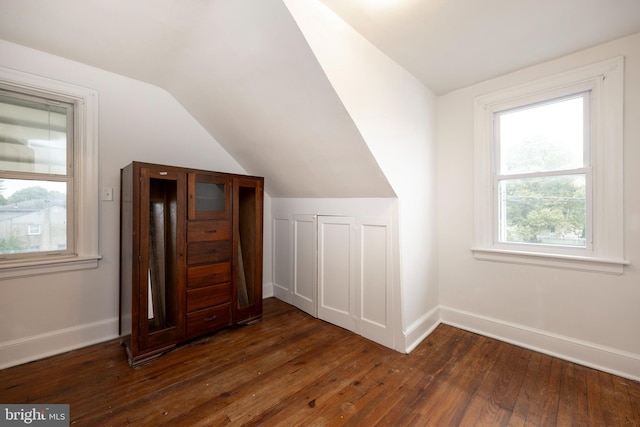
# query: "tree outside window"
{"type": "Point", "coordinates": [542, 177]}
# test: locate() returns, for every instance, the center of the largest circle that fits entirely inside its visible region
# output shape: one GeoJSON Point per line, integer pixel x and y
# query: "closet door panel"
{"type": "Point", "coordinates": [336, 271]}
{"type": "Point", "coordinates": [375, 280]}
{"type": "Point", "coordinates": [282, 249]}
{"type": "Point", "coordinates": [305, 241]}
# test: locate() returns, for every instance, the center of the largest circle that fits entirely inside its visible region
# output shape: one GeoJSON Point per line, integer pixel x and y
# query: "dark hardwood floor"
{"type": "Point", "coordinates": [291, 369]}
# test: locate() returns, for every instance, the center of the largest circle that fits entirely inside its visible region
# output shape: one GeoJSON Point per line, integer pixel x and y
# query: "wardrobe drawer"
{"type": "Point", "coordinates": [206, 231]}
{"type": "Point", "coordinates": [208, 296]}
{"type": "Point", "coordinates": [208, 320]}
{"type": "Point", "coordinates": [208, 252]}
{"type": "Point", "coordinates": [210, 274]}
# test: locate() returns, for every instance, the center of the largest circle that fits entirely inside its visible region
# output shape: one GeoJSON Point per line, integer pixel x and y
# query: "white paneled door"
{"type": "Point", "coordinates": [336, 271]}
{"type": "Point", "coordinates": [282, 250]}
{"type": "Point", "coordinates": [305, 256]}
{"type": "Point", "coordinates": [342, 273]}
{"type": "Point", "coordinates": [375, 290]}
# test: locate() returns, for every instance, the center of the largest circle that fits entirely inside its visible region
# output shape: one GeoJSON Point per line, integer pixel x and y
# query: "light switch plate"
{"type": "Point", "coordinates": [107, 194]}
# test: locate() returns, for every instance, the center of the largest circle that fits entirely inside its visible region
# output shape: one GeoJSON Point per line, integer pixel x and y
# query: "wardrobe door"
{"type": "Point", "coordinates": [209, 196]}
{"type": "Point", "coordinates": [161, 272]}
{"type": "Point", "coordinates": [247, 248]}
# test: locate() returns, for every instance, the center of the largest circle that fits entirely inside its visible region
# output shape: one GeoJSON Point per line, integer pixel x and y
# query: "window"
{"type": "Point", "coordinates": [549, 171]}
{"type": "Point", "coordinates": [36, 176]}
{"type": "Point", "coordinates": [543, 172]}
{"type": "Point", "coordinates": [48, 175]}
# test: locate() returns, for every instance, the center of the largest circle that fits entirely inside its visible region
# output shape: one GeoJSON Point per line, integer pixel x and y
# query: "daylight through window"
{"type": "Point", "coordinates": [543, 173]}
{"type": "Point", "coordinates": [36, 175]}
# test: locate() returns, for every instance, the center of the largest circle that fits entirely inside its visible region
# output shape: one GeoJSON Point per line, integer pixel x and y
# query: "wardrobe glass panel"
{"type": "Point", "coordinates": [210, 197]}
{"type": "Point", "coordinates": [162, 269]}
{"type": "Point", "coordinates": [246, 246]}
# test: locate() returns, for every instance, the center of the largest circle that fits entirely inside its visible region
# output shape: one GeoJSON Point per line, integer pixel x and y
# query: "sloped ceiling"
{"type": "Point", "coordinates": [243, 69]}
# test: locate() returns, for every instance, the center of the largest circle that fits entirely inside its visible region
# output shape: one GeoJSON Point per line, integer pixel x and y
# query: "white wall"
{"type": "Point", "coordinates": [137, 121]}
{"type": "Point", "coordinates": [396, 115]}
{"type": "Point", "coordinates": [592, 318]}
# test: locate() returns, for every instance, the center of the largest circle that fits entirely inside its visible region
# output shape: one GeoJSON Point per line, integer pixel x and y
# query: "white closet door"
{"type": "Point", "coordinates": [336, 271]}
{"type": "Point", "coordinates": [375, 280]}
{"type": "Point", "coordinates": [282, 247]}
{"type": "Point", "coordinates": [341, 270]}
{"type": "Point", "coordinates": [305, 255]}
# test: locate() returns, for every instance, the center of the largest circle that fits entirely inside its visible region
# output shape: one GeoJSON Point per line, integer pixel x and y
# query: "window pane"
{"type": "Point", "coordinates": [543, 137]}
{"type": "Point", "coordinates": [546, 210]}
{"type": "Point", "coordinates": [33, 136]}
{"type": "Point", "coordinates": [33, 216]}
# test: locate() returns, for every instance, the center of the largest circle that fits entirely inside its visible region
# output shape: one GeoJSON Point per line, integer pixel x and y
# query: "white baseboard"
{"type": "Point", "coordinates": [282, 293]}
{"type": "Point", "coordinates": [17, 352]}
{"type": "Point", "coordinates": [267, 290]}
{"type": "Point", "coordinates": [592, 355]}
{"type": "Point", "coordinates": [420, 329]}
{"type": "Point", "coordinates": [28, 349]}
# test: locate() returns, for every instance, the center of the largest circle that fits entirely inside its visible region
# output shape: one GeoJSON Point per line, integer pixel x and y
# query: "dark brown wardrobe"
{"type": "Point", "coordinates": [190, 255]}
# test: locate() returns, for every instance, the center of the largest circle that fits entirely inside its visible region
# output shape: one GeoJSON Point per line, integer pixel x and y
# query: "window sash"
{"type": "Point", "coordinates": [528, 104]}
{"type": "Point", "coordinates": [32, 98]}
{"type": "Point", "coordinates": [498, 230]}
{"type": "Point", "coordinates": [30, 125]}
{"type": "Point", "coordinates": [498, 214]}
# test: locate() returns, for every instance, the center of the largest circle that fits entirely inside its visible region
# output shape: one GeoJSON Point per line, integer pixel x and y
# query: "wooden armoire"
{"type": "Point", "coordinates": [190, 255]}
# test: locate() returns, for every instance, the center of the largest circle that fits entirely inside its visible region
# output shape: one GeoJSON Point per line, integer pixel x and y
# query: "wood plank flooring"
{"type": "Point", "coordinates": [291, 369]}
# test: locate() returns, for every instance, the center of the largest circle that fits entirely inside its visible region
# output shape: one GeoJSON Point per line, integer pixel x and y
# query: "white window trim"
{"type": "Point", "coordinates": [607, 252]}
{"type": "Point", "coordinates": [86, 178]}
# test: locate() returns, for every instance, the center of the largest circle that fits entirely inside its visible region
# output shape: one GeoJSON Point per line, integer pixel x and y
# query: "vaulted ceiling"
{"type": "Point", "coordinates": [243, 69]}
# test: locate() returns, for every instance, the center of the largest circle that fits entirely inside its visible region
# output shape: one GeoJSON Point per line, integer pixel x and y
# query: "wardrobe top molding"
{"type": "Point", "coordinates": [191, 169]}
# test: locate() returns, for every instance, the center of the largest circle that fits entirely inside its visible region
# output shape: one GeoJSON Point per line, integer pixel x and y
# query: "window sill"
{"type": "Point", "coordinates": [571, 262]}
{"type": "Point", "coordinates": [11, 270]}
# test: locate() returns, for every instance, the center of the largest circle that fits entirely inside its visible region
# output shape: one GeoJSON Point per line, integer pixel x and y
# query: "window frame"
{"type": "Point", "coordinates": [85, 183]}
{"type": "Point", "coordinates": [605, 253]}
